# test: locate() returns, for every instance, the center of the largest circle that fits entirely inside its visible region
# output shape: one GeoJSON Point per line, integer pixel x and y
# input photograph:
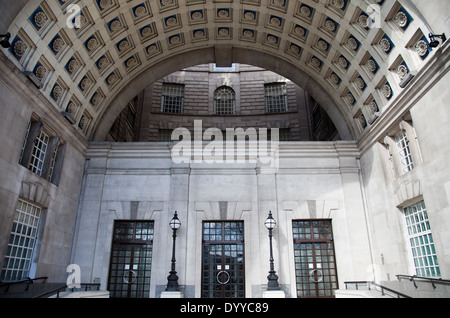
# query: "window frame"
{"type": "Point", "coordinates": [46, 163]}
{"type": "Point", "coordinates": [275, 96]}
{"type": "Point", "coordinates": [176, 92]}
{"type": "Point", "coordinates": [227, 105]}
{"type": "Point", "coordinates": [25, 231]}
{"type": "Point", "coordinates": [404, 151]}
{"type": "Point", "coordinates": [418, 230]}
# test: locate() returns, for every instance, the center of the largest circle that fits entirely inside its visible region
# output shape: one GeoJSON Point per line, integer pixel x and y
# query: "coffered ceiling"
{"type": "Point", "coordinates": [90, 54]}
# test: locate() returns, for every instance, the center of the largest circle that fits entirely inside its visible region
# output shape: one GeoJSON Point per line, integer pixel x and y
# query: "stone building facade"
{"type": "Point", "coordinates": [297, 114]}
{"type": "Point", "coordinates": [90, 90]}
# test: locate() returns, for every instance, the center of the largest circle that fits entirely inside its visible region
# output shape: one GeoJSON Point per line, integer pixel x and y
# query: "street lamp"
{"type": "Point", "coordinates": [272, 278]}
{"type": "Point", "coordinates": [172, 279]}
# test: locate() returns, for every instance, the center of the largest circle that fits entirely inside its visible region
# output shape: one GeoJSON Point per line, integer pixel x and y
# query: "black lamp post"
{"type": "Point", "coordinates": [272, 283]}
{"type": "Point", "coordinates": [172, 279]}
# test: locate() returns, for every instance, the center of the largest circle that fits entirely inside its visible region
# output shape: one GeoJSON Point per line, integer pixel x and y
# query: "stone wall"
{"type": "Point", "coordinates": [19, 103]}
{"type": "Point", "coordinates": [140, 181]}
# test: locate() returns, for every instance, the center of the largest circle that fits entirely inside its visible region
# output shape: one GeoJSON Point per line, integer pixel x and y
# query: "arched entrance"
{"type": "Point", "coordinates": [208, 55]}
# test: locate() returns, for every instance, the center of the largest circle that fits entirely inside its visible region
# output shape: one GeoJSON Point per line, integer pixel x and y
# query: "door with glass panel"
{"type": "Point", "coordinates": [131, 259]}
{"type": "Point", "coordinates": [223, 265]}
{"type": "Point", "coordinates": [315, 265]}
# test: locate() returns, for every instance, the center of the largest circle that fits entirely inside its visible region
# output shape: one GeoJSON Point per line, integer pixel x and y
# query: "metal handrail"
{"type": "Point", "coordinates": [28, 281]}
{"type": "Point", "coordinates": [430, 280]}
{"type": "Point", "coordinates": [383, 288]}
{"type": "Point", "coordinates": [65, 287]}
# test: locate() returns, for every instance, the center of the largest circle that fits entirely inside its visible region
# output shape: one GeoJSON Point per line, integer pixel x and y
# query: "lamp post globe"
{"type": "Point", "coordinates": [175, 223]}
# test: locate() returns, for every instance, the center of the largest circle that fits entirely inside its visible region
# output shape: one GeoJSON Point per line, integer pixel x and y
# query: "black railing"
{"type": "Point", "coordinates": [50, 290]}
{"type": "Point", "coordinates": [27, 281]}
{"type": "Point", "coordinates": [64, 288]}
{"type": "Point", "coordinates": [378, 287]}
{"type": "Point", "coordinates": [430, 280]}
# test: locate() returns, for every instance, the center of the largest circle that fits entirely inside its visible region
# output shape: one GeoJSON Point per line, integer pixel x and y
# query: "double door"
{"type": "Point", "coordinates": [131, 259]}
{"type": "Point", "coordinates": [315, 265]}
{"type": "Point", "coordinates": [223, 260]}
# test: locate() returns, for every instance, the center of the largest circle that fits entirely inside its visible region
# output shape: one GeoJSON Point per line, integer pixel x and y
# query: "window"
{"type": "Point", "coordinates": [232, 68]}
{"type": "Point", "coordinates": [42, 153]}
{"type": "Point", "coordinates": [22, 242]}
{"type": "Point", "coordinates": [421, 241]}
{"type": "Point", "coordinates": [284, 134]}
{"type": "Point", "coordinates": [224, 101]}
{"type": "Point", "coordinates": [276, 97]}
{"type": "Point", "coordinates": [39, 151]}
{"type": "Point", "coordinates": [404, 152]}
{"type": "Point", "coordinates": [172, 98]}
{"type": "Point", "coordinates": [165, 135]}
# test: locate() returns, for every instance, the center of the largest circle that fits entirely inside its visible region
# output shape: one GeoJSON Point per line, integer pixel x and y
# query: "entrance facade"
{"type": "Point", "coordinates": [223, 261]}
{"type": "Point", "coordinates": [131, 259]}
{"type": "Point", "coordinates": [315, 264]}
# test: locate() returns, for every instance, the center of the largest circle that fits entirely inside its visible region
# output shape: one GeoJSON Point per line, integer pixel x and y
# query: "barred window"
{"type": "Point", "coordinates": [22, 242]}
{"type": "Point", "coordinates": [172, 98]}
{"type": "Point", "coordinates": [421, 241]}
{"type": "Point", "coordinates": [224, 101]}
{"type": "Point", "coordinates": [284, 134]}
{"type": "Point", "coordinates": [38, 154]}
{"type": "Point", "coordinates": [165, 135]}
{"type": "Point", "coordinates": [41, 153]}
{"type": "Point", "coordinates": [276, 97]}
{"type": "Point", "coordinates": [404, 152]}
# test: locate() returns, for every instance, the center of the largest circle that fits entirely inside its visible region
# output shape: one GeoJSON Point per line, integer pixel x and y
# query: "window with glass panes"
{"type": "Point", "coordinates": [421, 241]}
{"type": "Point", "coordinates": [38, 154]}
{"type": "Point", "coordinates": [22, 242]}
{"type": "Point", "coordinates": [42, 153]}
{"type": "Point", "coordinates": [276, 97]}
{"type": "Point", "coordinates": [172, 98]}
{"type": "Point", "coordinates": [404, 152]}
{"type": "Point", "coordinates": [165, 135]}
{"type": "Point", "coordinates": [224, 101]}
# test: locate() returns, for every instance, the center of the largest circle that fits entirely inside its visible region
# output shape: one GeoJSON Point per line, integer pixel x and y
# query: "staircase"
{"type": "Point", "coordinates": [40, 288]}
{"type": "Point", "coordinates": [366, 289]}
{"type": "Point", "coordinates": [405, 286]}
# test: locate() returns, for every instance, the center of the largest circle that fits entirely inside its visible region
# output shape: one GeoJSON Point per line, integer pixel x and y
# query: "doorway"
{"type": "Point", "coordinates": [315, 264]}
{"type": "Point", "coordinates": [131, 259]}
{"type": "Point", "coordinates": [223, 261]}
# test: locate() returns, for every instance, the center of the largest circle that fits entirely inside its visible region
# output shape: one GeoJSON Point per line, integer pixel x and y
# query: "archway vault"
{"type": "Point", "coordinates": [91, 57]}
{"type": "Point", "coordinates": [209, 55]}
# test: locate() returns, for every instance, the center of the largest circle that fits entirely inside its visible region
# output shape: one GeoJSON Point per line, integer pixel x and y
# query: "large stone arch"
{"type": "Point", "coordinates": [208, 55]}
{"type": "Point", "coordinates": [325, 47]}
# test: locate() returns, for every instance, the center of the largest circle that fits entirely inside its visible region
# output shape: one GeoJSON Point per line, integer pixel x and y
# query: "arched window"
{"type": "Point", "coordinates": [224, 101]}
